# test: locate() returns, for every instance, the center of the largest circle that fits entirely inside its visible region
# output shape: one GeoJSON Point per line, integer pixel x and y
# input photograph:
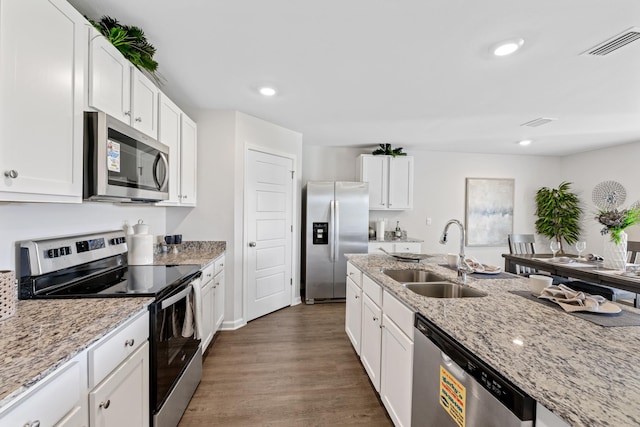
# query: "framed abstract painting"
{"type": "Point", "coordinates": [489, 211]}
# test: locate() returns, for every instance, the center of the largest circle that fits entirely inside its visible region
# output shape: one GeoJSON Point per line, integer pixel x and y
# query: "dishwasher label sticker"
{"type": "Point", "coordinates": [453, 396]}
{"type": "Point", "coordinates": [113, 156]}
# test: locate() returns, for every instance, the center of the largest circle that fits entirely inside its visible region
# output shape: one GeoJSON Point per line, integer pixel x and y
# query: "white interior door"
{"type": "Point", "coordinates": [268, 196]}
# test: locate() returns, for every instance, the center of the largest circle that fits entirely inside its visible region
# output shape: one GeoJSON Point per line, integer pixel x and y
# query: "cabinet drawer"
{"type": "Point", "coordinates": [354, 274]}
{"type": "Point", "coordinates": [116, 347]}
{"type": "Point", "coordinates": [53, 401]}
{"type": "Point", "coordinates": [374, 247]}
{"type": "Point", "coordinates": [407, 247]}
{"type": "Point", "coordinates": [401, 315]}
{"type": "Point", "coordinates": [208, 272]}
{"type": "Point", "coordinates": [218, 265]}
{"type": "Point", "coordinates": [372, 289]}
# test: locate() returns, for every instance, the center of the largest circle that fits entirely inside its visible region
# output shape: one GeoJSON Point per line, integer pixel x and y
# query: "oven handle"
{"type": "Point", "coordinates": [175, 298]}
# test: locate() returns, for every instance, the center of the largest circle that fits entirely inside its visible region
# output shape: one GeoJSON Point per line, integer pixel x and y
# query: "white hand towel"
{"type": "Point", "coordinates": [187, 326]}
{"type": "Point", "coordinates": [197, 298]}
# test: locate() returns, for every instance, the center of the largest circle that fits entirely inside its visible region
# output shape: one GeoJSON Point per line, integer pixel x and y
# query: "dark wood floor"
{"type": "Point", "coordinates": [294, 367]}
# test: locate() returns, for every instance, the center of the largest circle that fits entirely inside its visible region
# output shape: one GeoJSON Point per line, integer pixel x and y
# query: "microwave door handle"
{"type": "Point", "coordinates": [174, 299]}
{"type": "Point", "coordinates": [159, 184]}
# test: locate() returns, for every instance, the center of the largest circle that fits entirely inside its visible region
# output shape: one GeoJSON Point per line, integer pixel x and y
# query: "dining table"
{"type": "Point", "coordinates": [571, 267]}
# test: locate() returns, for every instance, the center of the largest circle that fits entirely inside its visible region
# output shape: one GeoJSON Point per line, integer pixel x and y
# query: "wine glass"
{"type": "Point", "coordinates": [555, 247]}
{"type": "Point", "coordinates": [581, 245]}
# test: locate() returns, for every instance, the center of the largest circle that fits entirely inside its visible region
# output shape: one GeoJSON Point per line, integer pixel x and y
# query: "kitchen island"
{"type": "Point", "coordinates": [584, 373]}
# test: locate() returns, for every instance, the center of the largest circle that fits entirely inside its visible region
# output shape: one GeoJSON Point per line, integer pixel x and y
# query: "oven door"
{"type": "Point", "coordinates": [174, 342]}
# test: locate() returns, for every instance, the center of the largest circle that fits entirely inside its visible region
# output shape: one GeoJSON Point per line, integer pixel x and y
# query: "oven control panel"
{"type": "Point", "coordinates": [52, 254]}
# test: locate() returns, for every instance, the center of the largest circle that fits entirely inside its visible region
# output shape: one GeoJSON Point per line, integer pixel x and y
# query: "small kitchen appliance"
{"type": "Point", "coordinates": [336, 223]}
{"type": "Point", "coordinates": [95, 266]}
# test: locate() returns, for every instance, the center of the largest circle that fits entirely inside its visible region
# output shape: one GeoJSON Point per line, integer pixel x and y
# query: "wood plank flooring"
{"type": "Point", "coordinates": [294, 367]}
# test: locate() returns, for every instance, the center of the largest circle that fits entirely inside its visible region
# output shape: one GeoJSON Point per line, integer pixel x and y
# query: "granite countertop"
{"type": "Point", "coordinates": [193, 252]}
{"type": "Point", "coordinates": [584, 373]}
{"type": "Point", "coordinates": [44, 334]}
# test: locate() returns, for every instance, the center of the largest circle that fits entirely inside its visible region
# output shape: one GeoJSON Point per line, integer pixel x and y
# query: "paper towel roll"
{"type": "Point", "coordinates": [141, 249]}
{"type": "Point", "coordinates": [380, 230]}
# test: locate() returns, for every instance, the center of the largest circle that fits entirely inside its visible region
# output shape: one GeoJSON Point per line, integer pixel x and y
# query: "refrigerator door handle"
{"type": "Point", "coordinates": [332, 219]}
{"type": "Point", "coordinates": [336, 230]}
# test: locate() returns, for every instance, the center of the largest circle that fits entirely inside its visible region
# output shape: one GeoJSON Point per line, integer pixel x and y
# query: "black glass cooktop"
{"type": "Point", "coordinates": [128, 281]}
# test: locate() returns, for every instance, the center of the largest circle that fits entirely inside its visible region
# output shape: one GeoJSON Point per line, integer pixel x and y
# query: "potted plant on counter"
{"type": "Point", "coordinates": [559, 212]}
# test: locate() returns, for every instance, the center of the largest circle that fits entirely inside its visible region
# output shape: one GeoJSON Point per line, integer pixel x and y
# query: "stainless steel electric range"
{"type": "Point", "coordinates": [95, 266]}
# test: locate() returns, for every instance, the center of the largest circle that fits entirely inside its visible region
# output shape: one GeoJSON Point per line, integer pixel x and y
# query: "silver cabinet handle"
{"type": "Point", "coordinates": [35, 423]}
{"type": "Point", "coordinates": [375, 319]}
{"type": "Point", "coordinates": [129, 343]}
{"type": "Point", "coordinates": [357, 297]}
{"type": "Point", "coordinates": [252, 244]}
{"type": "Point", "coordinates": [105, 405]}
{"type": "Point", "coordinates": [351, 273]}
{"type": "Point", "coordinates": [139, 119]}
{"type": "Point", "coordinates": [184, 197]}
{"type": "Point", "coordinates": [127, 113]}
{"type": "Point", "coordinates": [11, 174]}
{"type": "Point", "coordinates": [208, 274]}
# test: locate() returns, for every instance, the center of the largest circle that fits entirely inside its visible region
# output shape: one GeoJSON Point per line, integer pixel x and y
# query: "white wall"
{"type": "Point", "coordinates": [223, 137]}
{"type": "Point", "coordinates": [22, 221]}
{"type": "Point", "coordinates": [586, 170]}
{"type": "Point", "coordinates": [439, 190]}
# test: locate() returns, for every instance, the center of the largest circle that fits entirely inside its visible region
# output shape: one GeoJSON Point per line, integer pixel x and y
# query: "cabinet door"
{"type": "Point", "coordinates": [42, 54]}
{"type": "Point", "coordinates": [407, 247]}
{"type": "Point", "coordinates": [144, 103]}
{"type": "Point", "coordinates": [109, 79]}
{"type": "Point", "coordinates": [122, 399]}
{"type": "Point", "coordinates": [396, 376]}
{"type": "Point", "coordinates": [169, 134]}
{"type": "Point", "coordinates": [371, 340]}
{"type": "Point", "coordinates": [218, 301]}
{"type": "Point", "coordinates": [188, 152]}
{"type": "Point", "coordinates": [373, 169]}
{"type": "Point", "coordinates": [353, 314]}
{"type": "Point", "coordinates": [400, 183]}
{"type": "Point", "coordinates": [207, 314]}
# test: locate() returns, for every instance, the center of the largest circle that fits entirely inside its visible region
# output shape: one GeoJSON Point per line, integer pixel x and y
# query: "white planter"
{"type": "Point", "coordinates": [615, 255]}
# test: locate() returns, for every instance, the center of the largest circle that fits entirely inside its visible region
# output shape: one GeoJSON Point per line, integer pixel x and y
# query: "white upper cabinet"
{"type": "Point", "coordinates": [188, 161]}
{"type": "Point", "coordinates": [390, 181]}
{"type": "Point", "coordinates": [120, 89]}
{"type": "Point", "coordinates": [169, 134]}
{"type": "Point", "coordinates": [42, 56]}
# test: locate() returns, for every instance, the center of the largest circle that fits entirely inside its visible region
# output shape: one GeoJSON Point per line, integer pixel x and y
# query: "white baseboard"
{"type": "Point", "coordinates": [232, 325]}
{"type": "Point", "coordinates": [296, 301]}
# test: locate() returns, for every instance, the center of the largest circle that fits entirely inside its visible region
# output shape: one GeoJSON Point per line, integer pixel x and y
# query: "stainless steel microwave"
{"type": "Point", "coordinates": [121, 163]}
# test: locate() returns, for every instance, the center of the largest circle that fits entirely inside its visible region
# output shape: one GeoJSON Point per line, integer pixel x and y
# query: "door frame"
{"type": "Point", "coordinates": [294, 222]}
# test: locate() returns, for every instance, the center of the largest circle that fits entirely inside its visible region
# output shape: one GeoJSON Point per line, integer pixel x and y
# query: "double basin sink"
{"type": "Point", "coordinates": [429, 284]}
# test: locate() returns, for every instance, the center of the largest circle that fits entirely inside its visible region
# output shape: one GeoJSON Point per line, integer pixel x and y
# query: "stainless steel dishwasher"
{"type": "Point", "coordinates": [452, 387]}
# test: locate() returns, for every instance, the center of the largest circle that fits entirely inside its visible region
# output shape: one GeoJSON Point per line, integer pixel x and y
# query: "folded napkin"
{"type": "Point", "coordinates": [594, 257]}
{"type": "Point", "coordinates": [571, 300]}
{"type": "Point", "coordinates": [477, 266]}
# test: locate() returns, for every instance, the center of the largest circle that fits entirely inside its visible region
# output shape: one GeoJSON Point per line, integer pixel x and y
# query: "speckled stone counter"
{"type": "Point", "coordinates": [193, 252]}
{"type": "Point", "coordinates": [586, 374]}
{"type": "Point", "coordinates": [44, 334]}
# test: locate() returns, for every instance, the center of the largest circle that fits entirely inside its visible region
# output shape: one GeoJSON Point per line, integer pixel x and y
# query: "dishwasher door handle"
{"type": "Point", "coordinates": [453, 367]}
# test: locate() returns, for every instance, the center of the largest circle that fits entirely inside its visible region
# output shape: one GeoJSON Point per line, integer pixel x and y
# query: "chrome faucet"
{"type": "Point", "coordinates": [462, 266]}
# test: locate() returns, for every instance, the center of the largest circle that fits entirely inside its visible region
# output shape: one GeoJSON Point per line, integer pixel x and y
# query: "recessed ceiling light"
{"type": "Point", "coordinates": [507, 47]}
{"type": "Point", "coordinates": [267, 91]}
{"type": "Point", "coordinates": [524, 142]}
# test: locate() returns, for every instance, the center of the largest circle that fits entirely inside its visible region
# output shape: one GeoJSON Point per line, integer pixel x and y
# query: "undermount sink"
{"type": "Point", "coordinates": [429, 284]}
{"type": "Point", "coordinates": [444, 290]}
{"type": "Point", "coordinates": [412, 276]}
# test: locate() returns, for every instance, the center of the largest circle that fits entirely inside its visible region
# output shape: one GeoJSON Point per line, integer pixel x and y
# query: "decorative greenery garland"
{"type": "Point", "coordinates": [131, 42]}
{"type": "Point", "coordinates": [385, 149]}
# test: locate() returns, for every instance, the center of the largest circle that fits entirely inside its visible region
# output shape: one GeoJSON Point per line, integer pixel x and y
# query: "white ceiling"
{"type": "Point", "coordinates": [414, 73]}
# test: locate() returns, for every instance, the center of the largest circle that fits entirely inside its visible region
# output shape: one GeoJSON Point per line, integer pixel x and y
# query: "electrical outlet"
{"type": "Point", "coordinates": [428, 221]}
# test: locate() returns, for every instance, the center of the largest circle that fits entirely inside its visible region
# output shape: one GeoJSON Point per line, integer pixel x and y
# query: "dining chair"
{"type": "Point", "coordinates": [633, 249]}
{"type": "Point", "coordinates": [520, 244]}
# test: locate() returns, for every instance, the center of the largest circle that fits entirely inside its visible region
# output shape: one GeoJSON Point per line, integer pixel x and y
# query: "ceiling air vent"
{"type": "Point", "coordinates": [615, 43]}
{"type": "Point", "coordinates": [538, 122]}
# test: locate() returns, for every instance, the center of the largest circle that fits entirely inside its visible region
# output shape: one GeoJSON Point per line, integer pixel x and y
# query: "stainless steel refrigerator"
{"type": "Point", "coordinates": [336, 223]}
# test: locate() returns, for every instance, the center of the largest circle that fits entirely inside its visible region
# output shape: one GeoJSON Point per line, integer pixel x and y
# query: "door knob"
{"type": "Point", "coordinates": [11, 174]}
{"type": "Point", "coordinates": [252, 244]}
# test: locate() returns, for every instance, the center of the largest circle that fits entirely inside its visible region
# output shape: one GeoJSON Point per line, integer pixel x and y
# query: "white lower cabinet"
{"type": "Point", "coordinates": [396, 372]}
{"type": "Point", "coordinates": [385, 329]}
{"type": "Point", "coordinates": [371, 340]}
{"type": "Point", "coordinates": [396, 247]}
{"type": "Point", "coordinates": [353, 314]}
{"type": "Point", "coordinates": [211, 314]}
{"type": "Point", "coordinates": [59, 399]}
{"type": "Point", "coordinates": [123, 397]}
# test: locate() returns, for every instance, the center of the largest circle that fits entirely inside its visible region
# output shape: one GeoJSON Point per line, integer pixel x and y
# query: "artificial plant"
{"type": "Point", "coordinates": [385, 149]}
{"type": "Point", "coordinates": [131, 42]}
{"type": "Point", "coordinates": [559, 212]}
